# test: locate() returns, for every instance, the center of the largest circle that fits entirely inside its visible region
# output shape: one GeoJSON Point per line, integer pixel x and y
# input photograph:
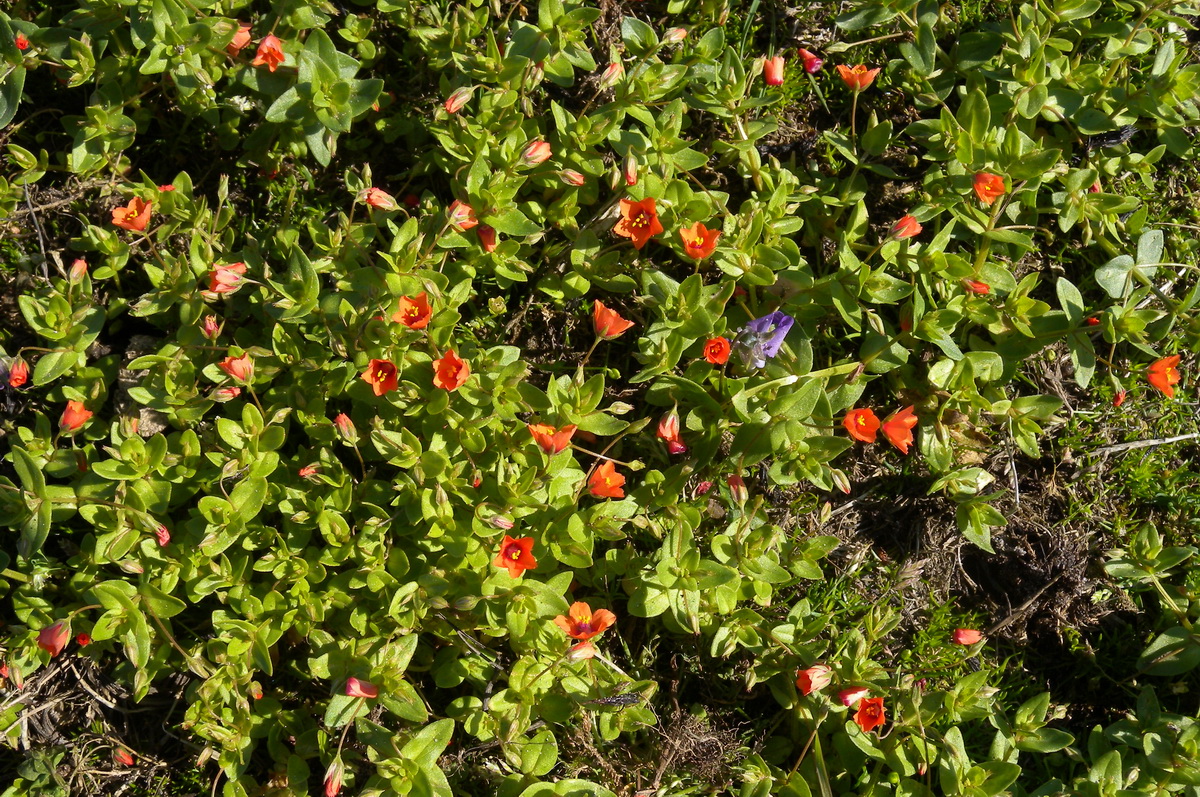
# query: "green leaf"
{"type": "Point", "coordinates": [53, 365]}
{"type": "Point", "coordinates": [28, 472]}
{"type": "Point", "coordinates": [1070, 300]}
{"type": "Point", "coordinates": [248, 497]}
{"type": "Point", "coordinates": [1172, 653]}
{"type": "Point", "coordinates": [512, 222]}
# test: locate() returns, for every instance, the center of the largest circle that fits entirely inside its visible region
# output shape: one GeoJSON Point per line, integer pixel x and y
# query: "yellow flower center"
{"type": "Point", "coordinates": [697, 242]}
{"type": "Point", "coordinates": [514, 553]}
{"type": "Point", "coordinates": [642, 219]}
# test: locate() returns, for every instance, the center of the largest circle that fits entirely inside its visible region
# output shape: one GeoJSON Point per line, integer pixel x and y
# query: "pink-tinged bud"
{"type": "Point", "coordinates": [53, 638]}
{"type": "Point", "coordinates": [535, 152]}
{"type": "Point", "coordinates": [18, 373]}
{"type": "Point", "coordinates": [773, 71]}
{"type": "Point", "coordinates": [224, 394]}
{"type": "Point", "coordinates": [356, 687]}
{"type": "Point", "coordinates": [461, 215]}
{"type": "Point", "coordinates": [703, 487]}
{"type": "Point", "coordinates": [630, 169]}
{"type": "Point", "coordinates": [501, 522]}
{"type": "Point", "coordinates": [965, 636]}
{"type": "Point", "coordinates": [78, 270]}
{"type": "Point", "coordinates": [975, 286]}
{"type": "Point", "coordinates": [123, 757]}
{"type": "Point", "coordinates": [307, 471]}
{"type": "Point", "coordinates": [840, 480]}
{"type": "Point", "coordinates": [737, 489]}
{"type": "Point", "coordinates": [333, 778]}
{"type": "Point", "coordinates": [210, 327]}
{"type": "Point", "coordinates": [580, 652]}
{"type": "Point", "coordinates": [455, 102]}
{"type": "Point", "coordinates": [674, 35]}
{"type": "Point", "coordinates": [572, 177]}
{"type": "Point", "coordinates": [812, 63]}
{"type": "Point", "coordinates": [611, 74]}
{"type": "Point", "coordinates": [346, 429]}
{"type": "Point", "coordinates": [378, 198]}
{"type": "Point", "coordinates": [852, 695]}
{"type": "Point", "coordinates": [1095, 189]}
{"type": "Point", "coordinates": [163, 535]}
{"type": "Point", "coordinates": [814, 678]}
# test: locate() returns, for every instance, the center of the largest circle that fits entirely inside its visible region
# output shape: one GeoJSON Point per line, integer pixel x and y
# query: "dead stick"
{"type": "Point", "coordinates": [1161, 441]}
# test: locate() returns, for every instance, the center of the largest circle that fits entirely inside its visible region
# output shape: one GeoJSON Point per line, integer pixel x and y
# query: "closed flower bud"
{"type": "Point", "coordinates": [535, 152]}
{"type": "Point", "coordinates": [224, 394]}
{"type": "Point", "coordinates": [612, 73]}
{"type": "Point", "coordinates": [378, 198]}
{"type": "Point", "coordinates": [346, 429]}
{"type": "Point", "coordinates": [674, 35]}
{"type": "Point", "coordinates": [78, 270]}
{"type": "Point", "coordinates": [630, 169]}
{"type": "Point", "coordinates": [773, 71]}
{"type": "Point", "coordinates": [737, 489]}
{"type": "Point", "coordinates": [572, 177]}
{"type": "Point", "coordinates": [210, 327]}
{"type": "Point", "coordinates": [812, 63]}
{"type": "Point", "coordinates": [455, 102]}
{"type": "Point", "coordinates": [18, 373]}
{"type": "Point", "coordinates": [501, 522]}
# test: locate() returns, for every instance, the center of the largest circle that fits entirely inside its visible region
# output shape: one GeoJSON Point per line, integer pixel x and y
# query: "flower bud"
{"type": "Point", "coordinates": [455, 102]}
{"type": "Point", "coordinates": [535, 152]}
{"type": "Point", "coordinates": [737, 489]}
{"type": "Point", "coordinates": [78, 270]}
{"type": "Point", "coordinates": [224, 394]}
{"type": "Point", "coordinates": [210, 327]}
{"type": "Point", "coordinates": [572, 177]}
{"type": "Point", "coordinates": [630, 169]}
{"type": "Point", "coordinates": [612, 73]}
{"type": "Point", "coordinates": [674, 35]}
{"type": "Point", "coordinates": [346, 429]}
{"type": "Point", "coordinates": [18, 373]}
{"type": "Point", "coordinates": [501, 522]}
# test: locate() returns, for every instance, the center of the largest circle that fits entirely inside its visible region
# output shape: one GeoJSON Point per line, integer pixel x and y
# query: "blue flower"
{"type": "Point", "coordinates": [761, 338]}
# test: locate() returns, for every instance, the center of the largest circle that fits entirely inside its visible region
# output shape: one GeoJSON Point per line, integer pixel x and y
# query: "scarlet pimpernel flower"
{"type": "Point", "coordinates": [451, 371]}
{"type": "Point", "coordinates": [639, 221]}
{"type": "Point", "coordinates": [607, 323]}
{"type": "Point", "coordinates": [698, 241]}
{"type": "Point", "coordinates": [356, 687]}
{"type": "Point", "coordinates": [857, 78]}
{"type": "Point", "coordinates": [1164, 375]}
{"type": "Point", "coordinates": [378, 198]}
{"type": "Point", "coordinates": [240, 368]}
{"type": "Point", "coordinates": [270, 53]}
{"type": "Point", "coordinates": [762, 338]}
{"type": "Point", "coordinates": [134, 216]}
{"type": "Point", "coordinates": [18, 373]}
{"type": "Point", "coordinates": [814, 678]}
{"type": "Point", "coordinates": [551, 440]}
{"type": "Point", "coordinates": [870, 714]}
{"type": "Point", "coordinates": [862, 425]}
{"type": "Point", "coordinates": [906, 227]}
{"type": "Point", "coordinates": [461, 215]}
{"type": "Point", "coordinates": [414, 312]}
{"type": "Point", "coordinates": [240, 39]}
{"type": "Point", "coordinates": [382, 376]}
{"type": "Point", "coordinates": [898, 428]}
{"type": "Point", "coordinates": [487, 237]}
{"type": "Point", "coordinates": [22, 42]}
{"type": "Point", "coordinates": [965, 636]}
{"type": "Point", "coordinates": [668, 432]}
{"type": "Point", "coordinates": [581, 623]}
{"type": "Point", "coordinates": [225, 279]}
{"type": "Point", "coordinates": [516, 554]}
{"type": "Point", "coordinates": [53, 638]}
{"type": "Point", "coordinates": [773, 71]}
{"type": "Point", "coordinates": [988, 187]}
{"type": "Point", "coordinates": [716, 350]}
{"type": "Point", "coordinates": [606, 482]}
{"type": "Point", "coordinates": [74, 416]}
{"type": "Point", "coordinates": [812, 62]}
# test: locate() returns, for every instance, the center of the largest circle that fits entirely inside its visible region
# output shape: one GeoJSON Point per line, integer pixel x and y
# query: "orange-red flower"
{"type": "Point", "coordinates": [862, 425]}
{"type": "Point", "coordinates": [378, 198]}
{"type": "Point", "coordinates": [74, 416]}
{"type": "Point", "coordinates": [134, 216]}
{"type": "Point", "coordinates": [581, 623]}
{"type": "Point", "coordinates": [414, 313]}
{"type": "Point", "coordinates": [965, 636]}
{"type": "Point", "coordinates": [716, 350]}
{"type": "Point", "coordinates": [83, 640]}
{"type": "Point", "coordinates": [550, 439]}
{"type": "Point", "coordinates": [462, 215]}
{"type": "Point", "coordinates": [1119, 399]}
{"type": "Point", "coordinates": [487, 237]}
{"type": "Point", "coordinates": [18, 373]}
{"type": "Point", "coordinates": [53, 638]}
{"type": "Point", "coordinates": [451, 371]}
{"type": "Point", "coordinates": [858, 77]}
{"type": "Point", "coordinates": [607, 323]}
{"type": "Point", "coordinates": [123, 756]}
{"type": "Point", "coordinates": [812, 62]}
{"type": "Point", "coordinates": [870, 714]}
{"type": "Point", "coordinates": [270, 53]}
{"type": "Point", "coordinates": [1164, 375]}
{"type": "Point", "coordinates": [906, 227]}
{"type": "Point", "coordinates": [240, 39]}
{"type": "Point", "coordinates": [163, 535]}
{"type": "Point", "coordinates": [773, 71]}
{"type": "Point", "coordinates": [975, 286]}
{"type": "Point", "coordinates": [698, 241]}
{"type": "Point", "coordinates": [356, 687]}
{"type": "Point", "coordinates": [22, 42]}
{"type": "Point", "coordinates": [988, 187]}
{"type": "Point", "coordinates": [814, 678]}
{"type": "Point", "coordinates": [606, 482]}
{"type": "Point", "coordinates": [639, 221]}
{"type": "Point", "coordinates": [226, 278]}
{"type": "Point", "coordinates": [668, 432]}
{"type": "Point", "coordinates": [382, 376]}
{"type": "Point", "coordinates": [240, 368]}
{"type": "Point", "coordinates": [516, 554]}
{"type": "Point", "coordinates": [898, 428]}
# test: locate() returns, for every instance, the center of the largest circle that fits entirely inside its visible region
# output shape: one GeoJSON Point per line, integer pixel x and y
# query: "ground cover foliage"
{"type": "Point", "coordinates": [598, 398]}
